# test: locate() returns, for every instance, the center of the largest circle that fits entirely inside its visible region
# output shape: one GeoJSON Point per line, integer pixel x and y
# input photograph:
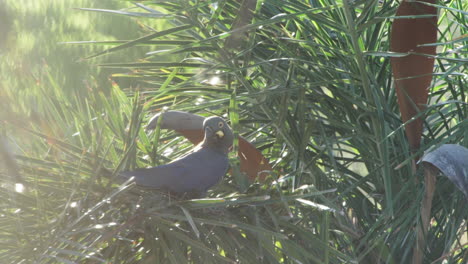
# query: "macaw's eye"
{"type": "Point", "coordinates": [220, 124]}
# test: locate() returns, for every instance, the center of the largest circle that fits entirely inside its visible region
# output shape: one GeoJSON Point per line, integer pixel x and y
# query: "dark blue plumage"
{"type": "Point", "coordinates": [197, 171]}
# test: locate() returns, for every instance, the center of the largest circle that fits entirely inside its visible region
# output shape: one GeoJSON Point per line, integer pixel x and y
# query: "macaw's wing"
{"type": "Point", "coordinates": [196, 172]}
{"type": "Point", "coordinates": [161, 177]}
{"type": "Point", "coordinates": [177, 120]}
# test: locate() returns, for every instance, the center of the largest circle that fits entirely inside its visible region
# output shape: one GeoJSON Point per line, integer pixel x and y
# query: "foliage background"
{"type": "Point", "coordinates": [309, 85]}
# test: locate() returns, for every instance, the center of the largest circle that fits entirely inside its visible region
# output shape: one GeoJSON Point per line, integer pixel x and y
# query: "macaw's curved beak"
{"type": "Point", "coordinates": [219, 133]}
{"type": "Point", "coordinates": [252, 161]}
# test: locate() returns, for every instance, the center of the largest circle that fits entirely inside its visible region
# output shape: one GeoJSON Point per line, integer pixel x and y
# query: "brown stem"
{"type": "Point", "coordinates": [430, 181]}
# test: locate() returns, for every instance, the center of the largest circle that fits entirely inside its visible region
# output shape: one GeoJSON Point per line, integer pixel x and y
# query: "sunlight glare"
{"type": "Point", "coordinates": [19, 187]}
{"type": "Point", "coordinates": [199, 100]}
{"type": "Point", "coordinates": [168, 151]}
{"type": "Point", "coordinates": [215, 80]}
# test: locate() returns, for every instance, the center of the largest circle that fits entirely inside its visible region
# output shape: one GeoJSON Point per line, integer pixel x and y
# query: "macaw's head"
{"type": "Point", "coordinates": [218, 134]}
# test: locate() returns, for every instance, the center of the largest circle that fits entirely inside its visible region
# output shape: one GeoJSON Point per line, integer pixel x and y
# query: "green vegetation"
{"type": "Point", "coordinates": [307, 82]}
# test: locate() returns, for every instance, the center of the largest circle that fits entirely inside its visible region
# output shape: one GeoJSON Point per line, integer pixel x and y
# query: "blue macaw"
{"type": "Point", "coordinates": [197, 171]}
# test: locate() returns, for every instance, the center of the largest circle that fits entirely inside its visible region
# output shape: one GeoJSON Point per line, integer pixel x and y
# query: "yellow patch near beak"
{"type": "Point", "coordinates": [220, 133]}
